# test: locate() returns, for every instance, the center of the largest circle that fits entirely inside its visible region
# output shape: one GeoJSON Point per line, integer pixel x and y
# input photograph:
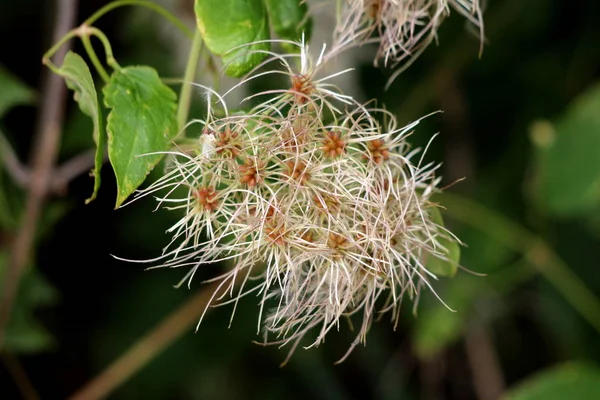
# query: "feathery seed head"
{"type": "Point", "coordinates": [333, 145]}
{"type": "Point", "coordinates": [324, 207]}
{"type": "Point", "coordinates": [402, 28]}
{"type": "Point", "coordinates": [207, 198]}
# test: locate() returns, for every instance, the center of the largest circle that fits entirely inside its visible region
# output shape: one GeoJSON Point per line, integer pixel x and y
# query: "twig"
{"type": "Point", "coordinates": [487, 375]}
{"type": "Point", "coordinates": [45, 150]}
{"type": "Point", "coordinates": [148, 347]}
{"type": "Point", "coordinates": [432, 374]}
{"type": "Point", "coordinates": [61, 175]}
{"type": "Point", "coordinates": [71, 169]}
{"type": "Point", "coordinates": [153, 6]}
{"type": "Point", "coordinates": [16, 371]}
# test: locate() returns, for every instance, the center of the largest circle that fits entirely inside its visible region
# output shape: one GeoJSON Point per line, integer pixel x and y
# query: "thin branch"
{"type": "Point", "coordinates": [16, 371]}
{"type": "Point", "coordinates": [45, 151]}
{"type": "Point", "coordinates": [432, 373]}
{"type": "Point", "coordinates": [61, 176]}
{"type": "Point", "coordinates": [155, 7]}
{"type": "Point", "coordinates": [148, 347]}
{"type": "Point", "coordinates": [72, 168]}
{"type": "Point", "coordinates": [485, 367]}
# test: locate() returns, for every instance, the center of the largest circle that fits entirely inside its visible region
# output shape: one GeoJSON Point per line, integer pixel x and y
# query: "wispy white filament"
{"type": "Point", "coordinates": [318, 201]}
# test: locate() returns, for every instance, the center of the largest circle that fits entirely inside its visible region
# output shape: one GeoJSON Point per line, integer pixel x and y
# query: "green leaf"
{"type": "Point", "coordinates": [568, 170]}
{"type": "Point", "coordinates": [289, 19]}
{"type": "Point", "coordinates": [471, 296]}
{"type": "Point", "coordinates": [228, 24]}
{"type": "Point", "coordinates": [449, 265]}
{"type": "Point", "coordinates": [24, 333]}
{"type": "Point", "coordinates": [436, 330]}
{"type": "Point", "coordinates": [572, 381]}
{"type": "Point", "coordinates": [13, 92]}
{"type": "Point", "coordinates": [436, 327]}
{"type": "Point", "coordinates": [79, 79]}
{"type": "Point", "coordinates": [142, 120]}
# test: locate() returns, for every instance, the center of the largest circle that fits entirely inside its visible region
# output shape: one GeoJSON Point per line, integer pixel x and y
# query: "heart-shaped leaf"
{"type": "Point", "coordinates": [228, 24]}
{"type": "Point", "coordinates": [79, 79]}
{"type": "Point", "coordinates": [142, 122]}
{"type": "Point", "coordinates": [289, 19]}
{"type": "Point", "coordinates": [573, 381]}
{"type": "Point", "coordinates": [448, 265]}
{"type": "Point", "coordinates": [13, 92]}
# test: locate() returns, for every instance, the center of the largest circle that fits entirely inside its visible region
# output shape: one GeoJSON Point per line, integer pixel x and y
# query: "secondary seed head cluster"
{"type": "Point", "coordinates": [402, 28]}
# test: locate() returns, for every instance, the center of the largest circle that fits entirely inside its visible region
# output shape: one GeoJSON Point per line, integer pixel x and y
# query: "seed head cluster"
{"type": "Point", "coordinates": [317, 201]}
{"type": "Point", "coordinates": [402, 28]}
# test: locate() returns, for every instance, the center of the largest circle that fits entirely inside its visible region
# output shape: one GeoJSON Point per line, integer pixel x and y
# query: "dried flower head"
{"type": "Point", "coordinates": [402, 28]}
{"type": "Point", "coordinates": [318, 202]}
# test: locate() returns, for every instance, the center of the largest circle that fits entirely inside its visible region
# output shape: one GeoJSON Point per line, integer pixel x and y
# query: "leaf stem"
{"type": "Point", "coordinates": [46, 59]}
{"type": "Point", "coordinates": [539, 253]}
{"type": "Point", "coordinates": [110, 59]}
{"type": "Point", "coordinates": [185, 95]}
{"type": "Point", "coordinates": [87, 44]}
{"type": "Point", "coordinates": [155, 7]}
{"type": "Point", "coordinates": [15, 369]}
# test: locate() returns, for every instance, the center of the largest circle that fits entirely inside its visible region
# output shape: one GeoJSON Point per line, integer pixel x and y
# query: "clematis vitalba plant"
{"type": "Point", "coordinates": [317, 203]}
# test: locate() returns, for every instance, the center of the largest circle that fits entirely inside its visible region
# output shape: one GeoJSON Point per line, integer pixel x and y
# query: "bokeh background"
{"type": "Point", "coordinates": [521, 124]}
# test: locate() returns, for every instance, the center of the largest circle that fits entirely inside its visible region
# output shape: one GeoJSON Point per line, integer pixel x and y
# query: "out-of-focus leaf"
{"type": "Point", "coordinates": [289, 19]}
{"type": "Point", "coordinates": [24, 333]}
{"type": "Point", "coordinates": [52, 214]}
{"type": "Point", "coordinates": [436, 326]}
{"type": "Point", "coordinates": [163, 375]}
{"type": "Point", "coordinates": [142, 120]}
{"type": "Point", "coordinates": [448, 266]}
{"type": "Point", "coordinates": [13, 92]}
{"type": "Point", "coordinates": [79, 79]}
{"type": "Point", "coordinates": [573, 381]}
{"type": "Point", "coordinates": [568, 164]}
{"type": "Point", "coordinates": [228, 24]}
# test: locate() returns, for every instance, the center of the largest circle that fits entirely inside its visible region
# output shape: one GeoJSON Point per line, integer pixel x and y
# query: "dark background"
{"type": "Point", "coordinates": [540, 56]}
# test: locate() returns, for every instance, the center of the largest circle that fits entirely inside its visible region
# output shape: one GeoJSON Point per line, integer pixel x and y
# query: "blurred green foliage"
{"type": "Point", "coordinates": [13, 93]}
{"type": "Point", "coordinates": [567, 381]}
{"type": "Point", "coordinates": [540, 63]}
{"type": "Point", "coordinates": [247, 21]}
{"type": "Point", "coordinates": [567, 163]}
{"type": "Point", "coordinates": [26, 334]}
